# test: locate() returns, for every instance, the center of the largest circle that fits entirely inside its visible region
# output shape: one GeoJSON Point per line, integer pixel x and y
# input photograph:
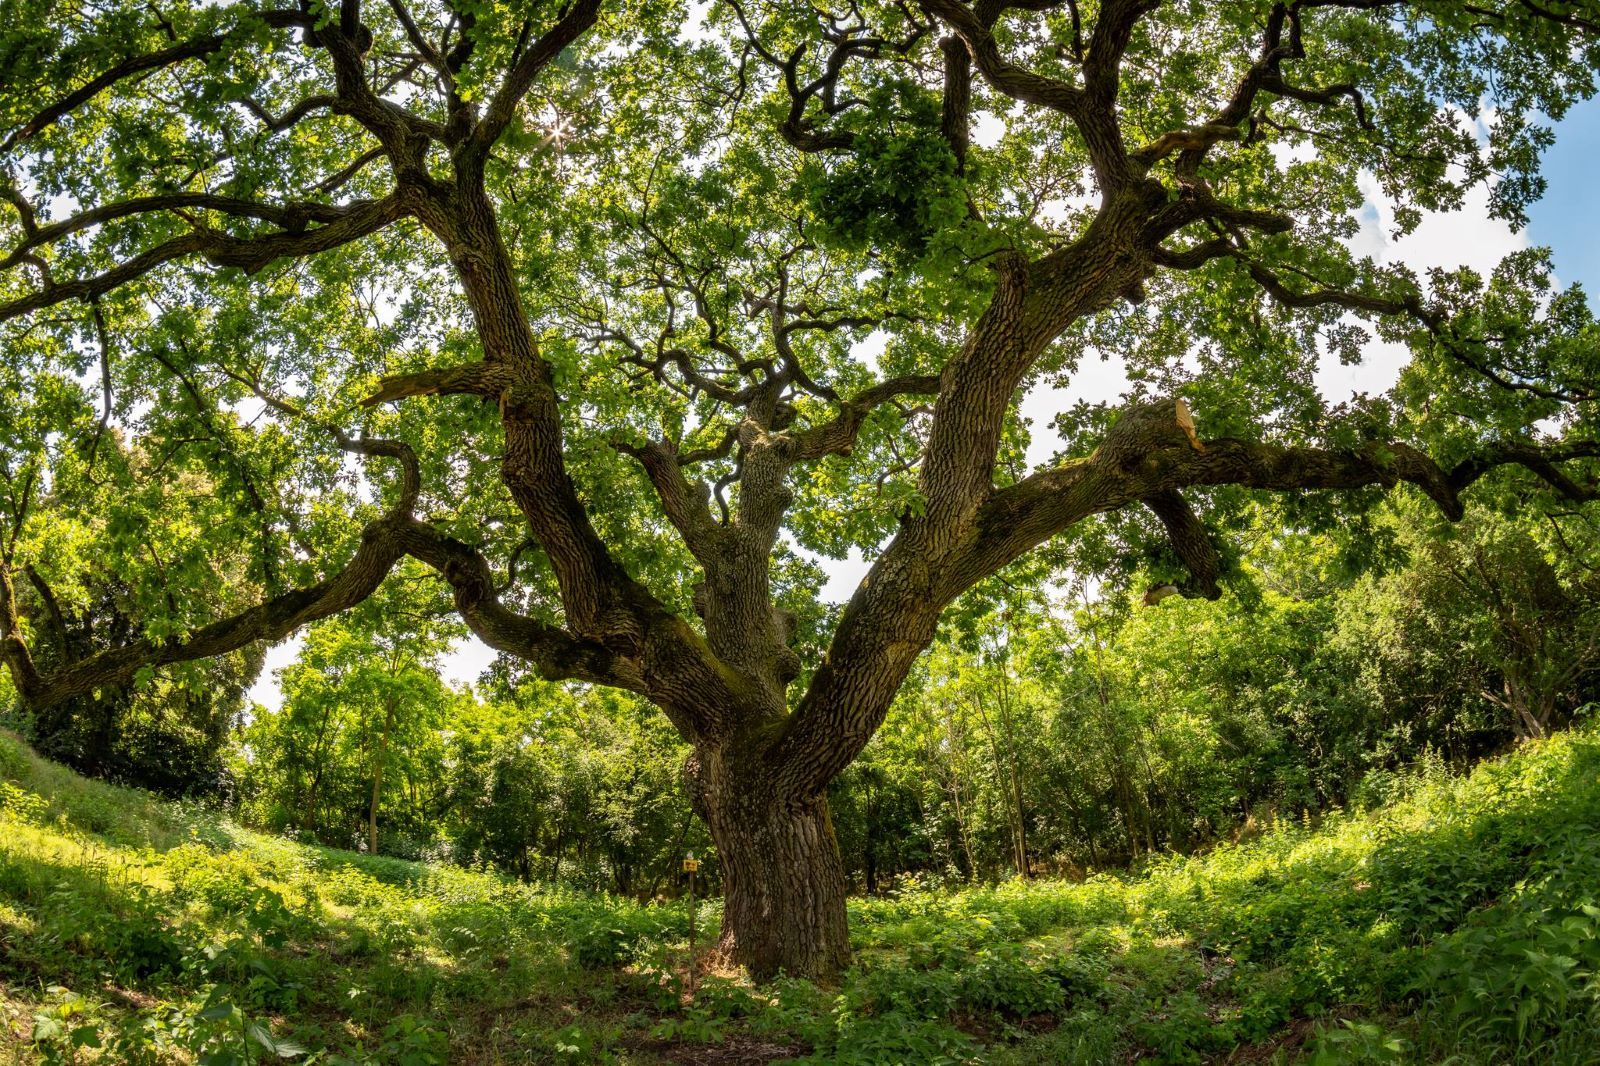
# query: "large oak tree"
{"type": "Point", "coordinates": [599, 311]}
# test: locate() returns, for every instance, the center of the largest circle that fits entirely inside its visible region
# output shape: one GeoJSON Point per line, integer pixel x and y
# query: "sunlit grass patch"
{"type": "Point", "coordinates": [1461, 922]}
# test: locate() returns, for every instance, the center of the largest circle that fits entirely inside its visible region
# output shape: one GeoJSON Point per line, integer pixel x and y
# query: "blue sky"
{"type": "Point", "coordinates": [1568, 218]}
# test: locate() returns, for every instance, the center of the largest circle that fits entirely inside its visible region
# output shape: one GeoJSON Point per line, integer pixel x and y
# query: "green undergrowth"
{"type": "Point", "coordinates": [1460, 923]}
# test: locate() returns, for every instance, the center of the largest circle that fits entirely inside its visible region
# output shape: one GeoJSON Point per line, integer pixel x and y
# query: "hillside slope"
{"type": "Point", "coordinates": [1461, 920]}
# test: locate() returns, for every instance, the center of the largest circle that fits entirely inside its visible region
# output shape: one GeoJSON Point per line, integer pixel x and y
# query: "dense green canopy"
{"type": "Point", "coordinates": [700, 293]}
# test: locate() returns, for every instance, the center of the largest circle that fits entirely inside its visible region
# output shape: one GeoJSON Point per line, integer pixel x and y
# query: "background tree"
{"type": "Point", "coordinates": [1152, 729]}
{"type": "Point", "coordinates": [86, 509]}
{"type": "Point", "coordinates": [363, 705]}
{"type": "Point", "coordinates": [644, 261]}
{"type": "Point", "coordinates": [1539, 635]}
{"type": "Point", "coordinates": [583, 788]}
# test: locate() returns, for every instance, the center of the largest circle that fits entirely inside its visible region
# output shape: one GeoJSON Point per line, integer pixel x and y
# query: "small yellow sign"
{"type": "Point", "coordinates": [691, 865]}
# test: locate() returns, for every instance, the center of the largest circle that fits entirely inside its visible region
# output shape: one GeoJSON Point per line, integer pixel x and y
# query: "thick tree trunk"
{"type": "Point", "coordinates": [783, 879]}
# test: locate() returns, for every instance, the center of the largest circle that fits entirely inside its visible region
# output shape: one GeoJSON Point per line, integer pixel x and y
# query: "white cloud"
{"type": "Point", "coordinates": [1379, 369]}
{"type": "Point", "coordinates": [987, 129]}
{"type": "Point", "coordinates": [1096, 381]}
{"type": "Point", "coordinates": [844, 575]}
{"type": "Point", "coordinates": [1446, 239]}
{"type": "Point", "coordinates": [266, 691]}
{"type": "Point", "coordinates": [869, 349]}
{"type": "Point", "coordinates": [466, 659]}
{"type": "Point", "coordinates": [1468, 237]}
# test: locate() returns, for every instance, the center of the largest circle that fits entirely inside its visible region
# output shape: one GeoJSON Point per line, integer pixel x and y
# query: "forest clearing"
{"type": "Point", "coordinates": [1457, 922]}
{"type": "Point", "coordinates": [1070, 528]}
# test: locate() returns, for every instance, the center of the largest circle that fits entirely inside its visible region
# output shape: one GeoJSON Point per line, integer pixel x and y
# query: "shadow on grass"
{"type": "Point", "coordinates": [400, 873]}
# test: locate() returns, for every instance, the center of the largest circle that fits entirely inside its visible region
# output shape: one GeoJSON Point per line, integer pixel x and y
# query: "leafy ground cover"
{"type": "Point", "coordinates": [1459, 922]}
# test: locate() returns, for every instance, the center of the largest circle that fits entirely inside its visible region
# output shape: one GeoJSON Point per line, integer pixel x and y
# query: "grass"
{"type": "Point", "coordinates": [1460, 923]}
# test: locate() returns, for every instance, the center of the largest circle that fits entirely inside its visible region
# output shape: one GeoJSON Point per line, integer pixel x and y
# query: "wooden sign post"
{"type": "Point", "coordinates": [690, 866]}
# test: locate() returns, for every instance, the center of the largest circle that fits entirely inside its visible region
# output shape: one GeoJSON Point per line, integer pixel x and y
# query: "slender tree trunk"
{"type": "Point", "coordinates": [1094, 851]}
{"type": "Point", "coordinates": [957, 762]}
{"type": "Point", "coordinates": [673, 854]}
{"type": "Point", "coordinates": [310, 823]}
{"type": "Point", "coordinates": [377, 778]}
{"type": "Point", "coordinates": [1007, 774]}
{"type": "Point", "coordinates": [1008, 727]}
{"type": "Point", "coordinates": [870, 852]}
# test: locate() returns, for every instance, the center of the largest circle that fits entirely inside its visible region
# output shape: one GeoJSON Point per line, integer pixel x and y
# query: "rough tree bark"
{"type": "Point", "coordinates": [783, 878]}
